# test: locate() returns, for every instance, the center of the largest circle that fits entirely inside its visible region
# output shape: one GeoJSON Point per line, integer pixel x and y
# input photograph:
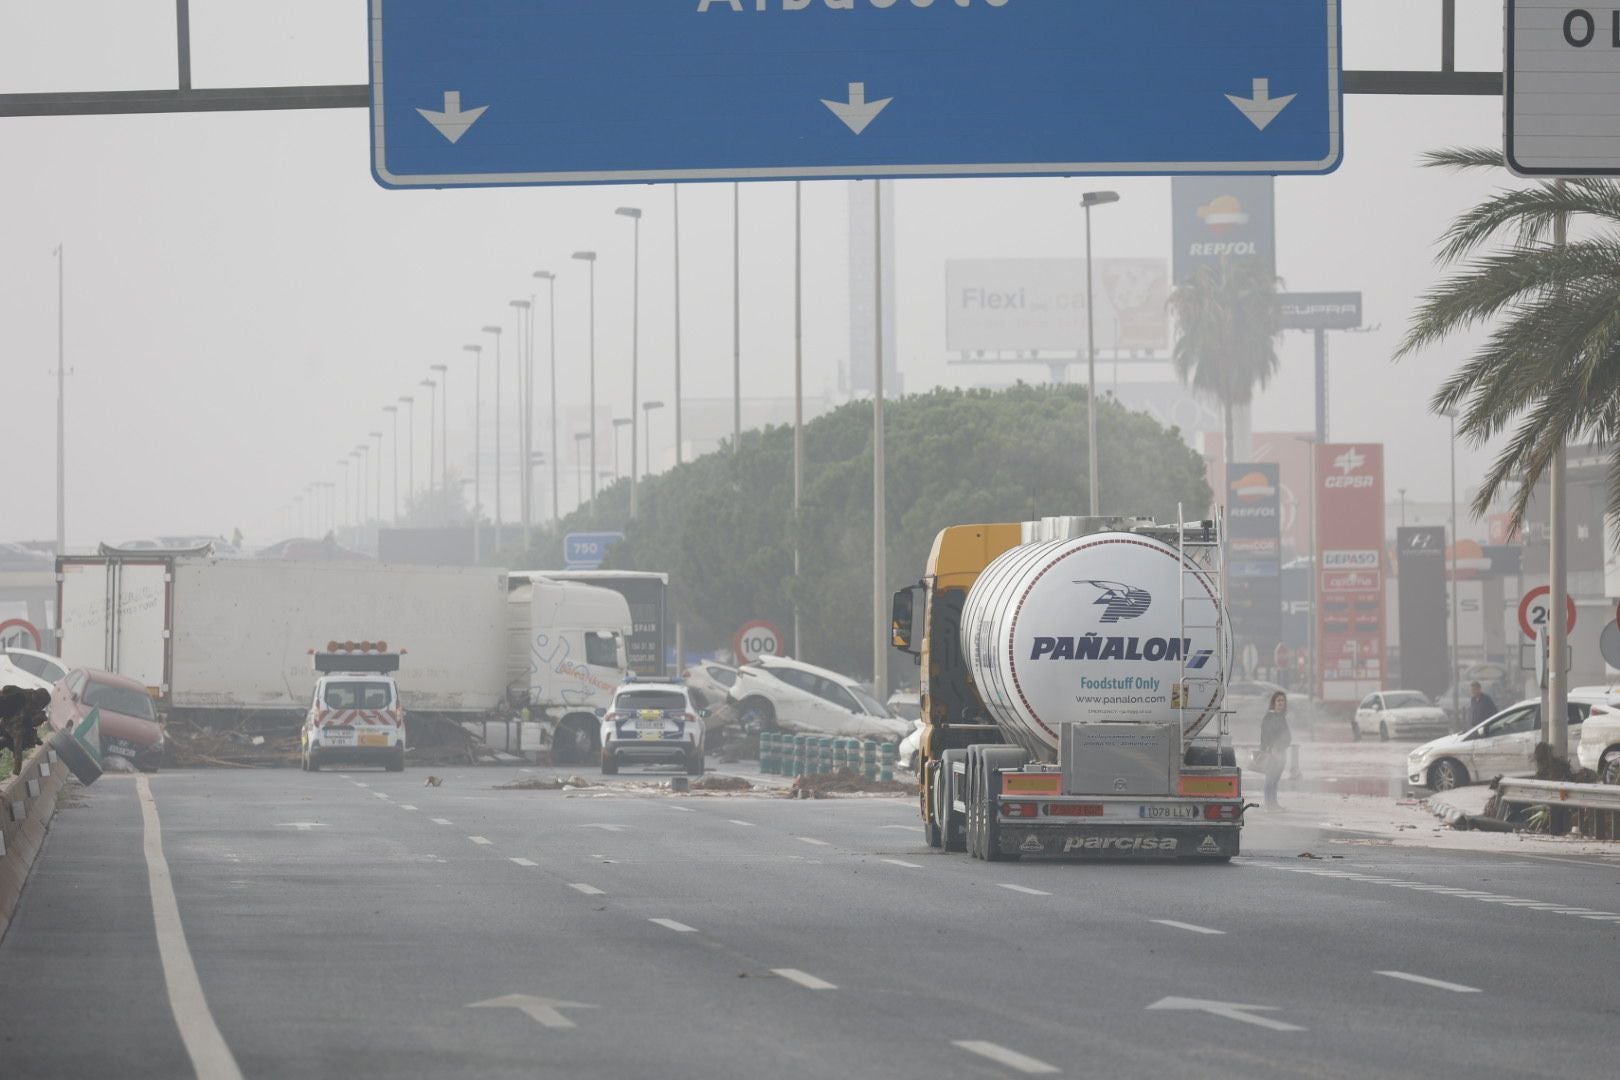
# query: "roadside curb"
{"type": "Point", "coordinates": [27, 804]}
{"type": "Point", "coordinates": [1443, 810]}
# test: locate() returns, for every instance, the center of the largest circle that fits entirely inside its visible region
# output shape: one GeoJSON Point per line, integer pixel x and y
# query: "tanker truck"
{"type": "Point", "coordinates": [1072, 677]}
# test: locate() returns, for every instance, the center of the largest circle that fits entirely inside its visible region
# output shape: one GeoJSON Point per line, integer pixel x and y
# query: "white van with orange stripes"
{"type": "Point", "coordinates": [355, 716]}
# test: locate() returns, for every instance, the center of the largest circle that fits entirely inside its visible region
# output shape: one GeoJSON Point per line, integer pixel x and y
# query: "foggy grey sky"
{"type": "Point", "coordinates": [243, 298]}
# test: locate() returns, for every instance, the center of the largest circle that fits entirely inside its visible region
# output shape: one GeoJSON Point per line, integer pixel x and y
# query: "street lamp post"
{"type": "Point", "coordinates": [410, 448]}
{"type": "Point", "coordinates": [619, 422]}
{"type": "Point", "coordinates": [676, 188]}
{"type": "Point", "coordinates": [525, 346]}
{"type": "Point", "coordinates": [376, 497]}
{"type": "Point", "coordinates": [1456, 665]}
{"type": "Point", "coordinates": [343, 463]}
{"type": "Point", "coordinates": [496, 330]}
{"type": "Point", "coordinates": [478, 440]}
{"type": "Point", "coordinates": [360, 454]}
{"type": "Point", "coordinates": [579, 467]}
{"type": "Point", "coordinates": [443, 371]}
{"type": "Point", "coordinates": [647, 408]}
{"type": "Point", "coordinates": [798, 406]}
{"type": "Point", "coordinates": [393, 412]}
{"type": "Point", "coordinates": [589, 258]}
{"type": "Point", "coordinates": [551, 318]}
{"type": "Point", "coordinates": [634, 214]}
{"type": "Point", "coordinates": [432, 387]}
{"type": "Point", "coordinates": [1088, 200]}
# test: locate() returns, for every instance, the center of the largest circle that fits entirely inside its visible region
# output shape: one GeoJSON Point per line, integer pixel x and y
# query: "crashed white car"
{"type": "Point", "coordinates": [1397, 714]}
{"type": "Point", "coordinates": [1599, 748]}
{"type": "Point", "coordinates": [777, 694]}
{"type": "Point", "coordinates": [1504, 745]}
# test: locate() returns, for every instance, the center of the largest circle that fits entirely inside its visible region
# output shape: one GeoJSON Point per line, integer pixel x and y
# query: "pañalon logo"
{"type": "Point", "coordinates": [1120, 601]}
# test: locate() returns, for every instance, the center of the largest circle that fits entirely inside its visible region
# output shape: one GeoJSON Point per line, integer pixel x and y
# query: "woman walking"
{"type": "Point", "coordinates": [1275, 738]}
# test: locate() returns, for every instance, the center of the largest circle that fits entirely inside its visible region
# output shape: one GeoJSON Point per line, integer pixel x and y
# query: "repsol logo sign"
{"type": "Point", "coordinates": [1229, 247]}
{"type": "Point", "coordinates": [1096, 647]}
{"type": "Point", "coordinates": [1335, 483]}
{"type": "Point", "coordinates": [1120, 843]}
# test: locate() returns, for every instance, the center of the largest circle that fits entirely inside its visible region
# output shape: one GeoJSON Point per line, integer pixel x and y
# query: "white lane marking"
{"type": "Point", "coordinates": [478, 839]}
{"type": "Point", "coordinates": [343, 776]}
{"type": "Point", "coordinates": [1012, 1059]}
{"type": "Point", "coordinates": [406, 806]}
{"type": "Point", "coordinates": [813, 840]}
{"type": "Point", "coordinates": [523, 862]}
{"type": "Point", "coordinates": [604, 827]}
{"type": "Point", "coordinates": [804, 979]}
{"type": "Point", "coordinates": [908, 828]}
{"type": "Point", "coordinates": [210, 1056]}
{"type": "Point", "coordinates": [902, 862]}
{"type": "Point", "coordinates": [441, 821]}
{"type": "Point", "coordinates": [1187, 926]}
{"type": "Point", "coordinates": [681, 809]}
{"type": "Point", "coordinates": [734, 821]}
{"type": "Point", "coordinates": [1023, 889]}
{"type": "Point", "coordinates": [588, 890]}
{"type": "Point", "coordinates": [1424, 980]}
{"type": "Point", "coordinates": [381, 794]}
{"type": "Point", "coordinates": [1447, 890]}
{"type": "Point", "coordinates": [361, 783]}
{"type": "Point", "coordinates": [671, 924]}
{"type": "Point", "coordinates": [1229, 1010]}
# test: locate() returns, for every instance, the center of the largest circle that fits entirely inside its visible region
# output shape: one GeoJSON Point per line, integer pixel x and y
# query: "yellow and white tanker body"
{"type": "Point", "coordinates": [355, 716]}
{"type": "Point", "coordinates": [1073, 675]}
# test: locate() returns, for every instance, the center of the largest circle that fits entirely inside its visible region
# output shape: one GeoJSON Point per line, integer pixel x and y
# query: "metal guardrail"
{"type": "Point", "coordinates": [1555, 793]}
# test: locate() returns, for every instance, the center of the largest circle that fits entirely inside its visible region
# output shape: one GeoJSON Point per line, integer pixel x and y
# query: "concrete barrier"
{"type": "Point", "coordinates": [27, 803]}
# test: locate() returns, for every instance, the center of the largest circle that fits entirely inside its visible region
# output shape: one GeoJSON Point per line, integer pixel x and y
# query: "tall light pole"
{"type": "Point", "coordinates": [880, 519]}
{"type": "Point", "coordinates": [676, 188]}
{"type": "Point", "coordinates": [634, 214]}
{"type": "Point", "coordinates": [1088, 200]}
{"type": "Point", "coordinates": [360, 454]}
{"type": "Point", "coordinates": [343, 463]}
{"type": "Point", "coordinates": [410, 448]}
{"type": "Point", "coordinates": [619, 422]}
{"type": "Point", "coordinates": [393, 413]}
{"type": "Point", "coordinates": [589, 258]}
{"type": "Point", "coordinates": [798, 403]}
{"type": "Point", "coordinates": [478, 439]}
{"type": "Point", "coordinates": [736, 317]}
{"type": "Point", "coordinates": [647, 408]}
{"type": "Point", "coordinates": [551, 326]}
{"type": "Point", "coordinates": [1456, 661]}
{"type": "Point", "coordinates": [443, 373]}
{"type": "Point", "coordinates": [61, 399]}
{"type": "Point", "coordinates": [579, 466]}
{"type": "Point", "coordinates": [432, 387]}
{"type": "Point", "coordinates": [496, 331]}
{"type": "Point", "coordinates": [376, 497]}
{"type": "Point", "coordinates": [525, 346]}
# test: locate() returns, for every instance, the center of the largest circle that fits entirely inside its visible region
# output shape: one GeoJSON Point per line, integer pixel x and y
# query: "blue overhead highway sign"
{"type": "Point", "coordinates": [617, 91]}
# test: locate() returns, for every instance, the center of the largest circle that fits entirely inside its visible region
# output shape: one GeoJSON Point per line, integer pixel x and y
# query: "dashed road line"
{"type": "Point", "coordinates": [381, 794]}
{"type": "Point", "coordinates": [1424, 980]}
{"type": "Point", "coordinates": [479, 839]}
{"type": "Point", "coordinates": [1022, 888]}
{"type": "Point", "coordinates": [361, 783]}
{"type": "Point", "coordinates": [1193, 927]}
{"type": "Point", "coordinates": [671, 924]}
{"type": "Point", "coordinates": [1450, 891]}
{"type": "Point", "coordinates": [406, 806]}
{"type": "Point", "coordinates": [681, 809]}
{"type": "Point", "coordinates": [734, 821]}
{"type": "Point", "coordinates": [812, 840]}
{"type": "Point", "coordinates": [1012, 1059]}
{"type": "Point", "coordinates": [441, 821]}
{"type": "Point", "coordinates": [804, 979]}
{"type": "Point", "coordinates": [524, 862]}
{"type": "Point", "coordinates": [588, 890]}
{"type": "Point", "coordinates": [908, 828]}
{"type": "Point", "coordinates": [902, 862]}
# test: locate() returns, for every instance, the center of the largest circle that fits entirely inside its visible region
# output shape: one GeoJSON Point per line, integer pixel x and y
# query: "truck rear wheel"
{"type": "Point", "coordinates": [992, 760]}
{"type": "Point", "coordinates": [925, 800]}
{"type": "Point", "coordinates": [952, 822]}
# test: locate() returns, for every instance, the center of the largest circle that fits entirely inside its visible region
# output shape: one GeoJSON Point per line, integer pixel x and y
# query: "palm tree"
{"type": "Point", "coordinates": [1226, 316]}
{"type": "Point", "coordinates": [1550, 368]}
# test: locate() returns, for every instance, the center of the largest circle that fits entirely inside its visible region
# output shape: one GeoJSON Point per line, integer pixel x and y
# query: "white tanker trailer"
{"type": "Point", "coordinates": [1073, 676]}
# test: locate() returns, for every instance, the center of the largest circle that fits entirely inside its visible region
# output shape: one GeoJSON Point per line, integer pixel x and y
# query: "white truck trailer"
{"type": "Point", "coordinates": [1072, 683]}
{"type": "Point", "coordinates": [220, 639]}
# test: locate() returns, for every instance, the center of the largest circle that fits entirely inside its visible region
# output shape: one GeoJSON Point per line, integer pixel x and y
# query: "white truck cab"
{"type": "Point", "coordinates": [355, 715]}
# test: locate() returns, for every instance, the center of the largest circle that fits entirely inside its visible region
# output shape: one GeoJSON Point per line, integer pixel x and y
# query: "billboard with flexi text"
{"type": "Point", "coordinates": [1349, 501]}
{"type": "Point", "coordinates": [1023, 305]}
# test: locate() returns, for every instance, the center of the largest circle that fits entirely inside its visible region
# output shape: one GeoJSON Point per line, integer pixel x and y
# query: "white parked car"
{"type": "Point", "coordinates": [710, 681]}
{"type": "Point", "coordinates": [1504, 745]}
{"type": "Point", "coordinates": [1599, 748]}
{"type": "Point", "coordinates": [48, 670]}
{"type": "Point", "coordinates": [777, 694]}
{"type": "Point", "coordinates": [906, 704]}
{"type": "Point", "coordinates": [653, 723]}
{"type": "Point", "coordinates": [1396, 714]}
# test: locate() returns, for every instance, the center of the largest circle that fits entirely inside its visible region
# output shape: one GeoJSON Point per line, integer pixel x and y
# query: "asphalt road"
{"type": "Point", "coordinates": [283, 924]}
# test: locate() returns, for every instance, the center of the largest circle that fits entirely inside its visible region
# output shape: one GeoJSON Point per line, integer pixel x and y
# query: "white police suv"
{"type": "Point", "coordinates": [652, 723]}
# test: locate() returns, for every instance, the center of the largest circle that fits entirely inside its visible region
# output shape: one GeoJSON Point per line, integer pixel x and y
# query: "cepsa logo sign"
{"type": "Point", "coordinates": [1353, 474]}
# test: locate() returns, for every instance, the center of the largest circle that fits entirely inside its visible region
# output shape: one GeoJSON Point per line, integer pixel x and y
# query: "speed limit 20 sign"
{"type": "Point", "coordinates": [756, 639]}
{"type": "Point", "coordinates": [1533, 610]}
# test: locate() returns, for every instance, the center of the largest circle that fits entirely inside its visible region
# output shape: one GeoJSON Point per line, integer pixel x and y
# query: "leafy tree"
{"type": "Point", "coordinates": [1550, 368]}
{"type": "Point", "coordinates": [1226, 317]}
{"type": "Point", "coordinates": [722, 526]}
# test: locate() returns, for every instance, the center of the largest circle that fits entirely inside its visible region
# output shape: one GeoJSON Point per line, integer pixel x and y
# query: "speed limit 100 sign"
{"type": "Point", "coordinates": [1533, 611]}
{"type": "Point", "coordinates": [756, 639]}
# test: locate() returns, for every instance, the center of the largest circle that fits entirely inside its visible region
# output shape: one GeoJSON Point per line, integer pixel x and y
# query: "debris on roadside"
{"type": "Point", "coordinates": [1309, 855]}
{"type": "Point", "coordinates": [189, 744]}
{"type": "Point", "coordinates": [845, 782]}
{"type": "Point", "coordinates": [546, 783]}
{"type": "Point", "coordinates": [722, 783]}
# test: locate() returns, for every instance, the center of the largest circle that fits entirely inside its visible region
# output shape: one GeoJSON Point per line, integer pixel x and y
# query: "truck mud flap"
{"type": "Point", "coordinates": [1216, 842]}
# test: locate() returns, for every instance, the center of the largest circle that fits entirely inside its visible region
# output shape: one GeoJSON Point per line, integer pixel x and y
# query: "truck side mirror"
{"type": "Point", "coordinates": [902, 621]}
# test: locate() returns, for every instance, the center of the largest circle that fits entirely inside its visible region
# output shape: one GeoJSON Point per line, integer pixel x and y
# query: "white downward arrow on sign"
{"type": "Point", "coordinates": [1230, 1010]}
{"type": "Point", "coordinates": [857, 112]}
{"type": "Point", "coordinates": [542, 1009]}
{"type": "Point", "coordinates": [1261, 108]}
{"type": "Point", "coordinates": [453, 122]}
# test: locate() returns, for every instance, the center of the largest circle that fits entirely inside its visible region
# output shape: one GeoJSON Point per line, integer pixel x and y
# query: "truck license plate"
{"type": "Point", "coordinates": [1168, 811]}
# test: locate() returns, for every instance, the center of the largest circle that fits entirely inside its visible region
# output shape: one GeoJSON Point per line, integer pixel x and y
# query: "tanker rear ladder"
{"type": "Point", "coordinates": [1202, 562]}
